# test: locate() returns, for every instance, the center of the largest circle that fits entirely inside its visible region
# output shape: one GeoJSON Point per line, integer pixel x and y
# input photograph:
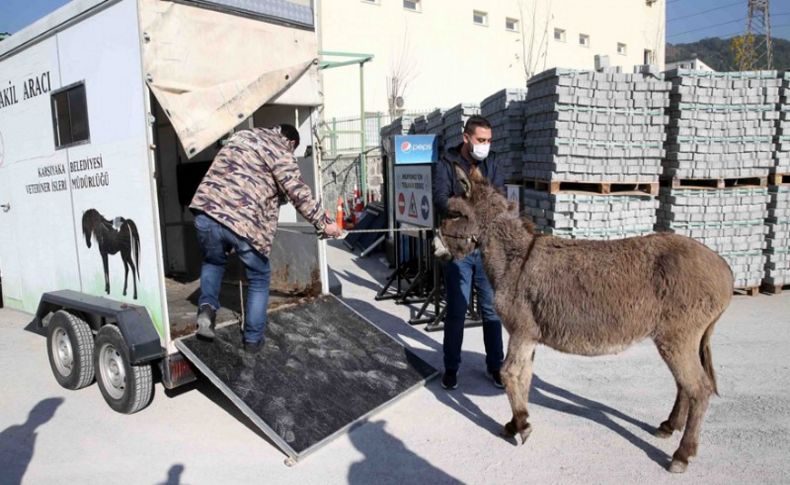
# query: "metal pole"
{"type": "Point", "coordinates": [363, 168]}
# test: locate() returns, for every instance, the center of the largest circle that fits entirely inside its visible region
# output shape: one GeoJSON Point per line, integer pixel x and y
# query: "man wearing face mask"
{"type": "Point", "coordinates": [237, 206]}
{"type": "Point", "coordinates": [459, 276]}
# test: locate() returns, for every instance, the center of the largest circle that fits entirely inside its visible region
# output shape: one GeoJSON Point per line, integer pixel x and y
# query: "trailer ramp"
{"type": "Point", "coordinates": [323, 368]}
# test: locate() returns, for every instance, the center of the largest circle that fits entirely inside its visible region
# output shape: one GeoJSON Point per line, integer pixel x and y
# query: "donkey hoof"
{"type": "Point", "coordinates": [678, 466]}
{"type": "Point", "coordinates": [524, 433]}
{"type": "Point", "coordinates": [508, 430]}
{"type": "Point", "coordinates": [663, 431]}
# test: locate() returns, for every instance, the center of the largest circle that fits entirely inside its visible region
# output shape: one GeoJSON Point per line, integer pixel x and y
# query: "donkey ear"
{"type": "Point", "coordinates": [477, 176]}
{"type": "Point", "coordinates": [463, 179]}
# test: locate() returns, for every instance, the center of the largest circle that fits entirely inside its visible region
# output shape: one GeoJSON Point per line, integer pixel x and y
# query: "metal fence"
{"type": "Point", "coordinates": [342, 135]}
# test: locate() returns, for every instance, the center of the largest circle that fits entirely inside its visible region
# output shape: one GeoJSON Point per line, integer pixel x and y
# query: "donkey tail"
{"type": "Point", "coordinates": [705, 355]}
{"type": "Point", "coordinates": [135, 243]}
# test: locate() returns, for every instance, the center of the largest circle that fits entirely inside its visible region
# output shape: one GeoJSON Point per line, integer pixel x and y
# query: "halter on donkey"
{"type": "Point", "coordinates": [118, 235]}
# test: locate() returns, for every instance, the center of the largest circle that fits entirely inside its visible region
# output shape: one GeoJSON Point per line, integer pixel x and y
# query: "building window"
{"type": "Point", "coordinates": [622, 49]}
{"type": "Point", "coordinates": [559, 35]}
{"type": "Point", "coordinates": [374, 2]}
{"type": "Point", "coordinates": [511, 24]}
{"type": "Point", "coordinates": [479, 18]}
{"type": "Point", "coordinates": [584, 40]}
{"type": "Point", "coordinates": [70, 116]}
{"type": "Point", "coordinates": [413, 5]}
{"type": "Point", "coordinates": [648, 57]}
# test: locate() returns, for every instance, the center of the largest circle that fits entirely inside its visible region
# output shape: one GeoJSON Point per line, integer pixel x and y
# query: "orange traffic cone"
{"type": "Point", "coordinates": [351, 216]}
{"type": "Point", "coordinates": [340, 217]}
{"type": "Point", "coordinates": [359, 205]}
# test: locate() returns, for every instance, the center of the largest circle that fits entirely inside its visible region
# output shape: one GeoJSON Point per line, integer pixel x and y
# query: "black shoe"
{"type": "Point", "coordinates": [496, 378]}
{"type": "Point", "coordinates": [450, 380]}
{"type": "Point", "coordinates": [206, 322]}
{"type": "Point", "coordinates": [253, 347]}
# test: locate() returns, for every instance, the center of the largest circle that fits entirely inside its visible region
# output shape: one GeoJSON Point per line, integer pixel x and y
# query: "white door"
{"type": "Point", "coordinates": [10, 264]}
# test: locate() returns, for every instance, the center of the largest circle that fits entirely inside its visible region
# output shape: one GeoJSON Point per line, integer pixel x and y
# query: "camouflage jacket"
{"type": "Point", "coordinates": [246, 182]}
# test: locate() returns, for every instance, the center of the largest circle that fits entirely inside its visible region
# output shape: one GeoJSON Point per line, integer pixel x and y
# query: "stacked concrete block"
{"type": "Point", "coordinates": [730, 221]}
{"type": "Point", "coordinates": [721, 124]}
{"type": "Point", "coordinates": [434, 123]}
{"type": "Point", "coordinates": [399, 126]}
{"type": "Point", "coordinates": [505, 110]}
{"type": "Point", "coordinates": [453, 123]}
{"type": "Point", "coordinates": [782, 153]}
{"type": "Point", "coordinates": [595, 126]}
{"type": "Point", "coordinates": [419, 126]}
{"type": "Point", "coordinates": [777, 266]}
{"type": "Point", "coordinates": [585, 216]}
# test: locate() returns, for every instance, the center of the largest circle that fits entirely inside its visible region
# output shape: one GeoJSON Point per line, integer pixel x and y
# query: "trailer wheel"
{"type": "Point", "coordinates": [70, 350]}
{"type": "Point", "coordinates": [127, 388]}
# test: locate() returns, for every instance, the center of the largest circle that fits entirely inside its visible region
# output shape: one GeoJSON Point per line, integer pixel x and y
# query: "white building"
{"type": "Point", "coordinates": [694, 64]}
{"type": "Point", "coordinates": [443, 52]}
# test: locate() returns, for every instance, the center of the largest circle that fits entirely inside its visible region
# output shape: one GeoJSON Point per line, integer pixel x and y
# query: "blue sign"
{"type": "Point", "coordinates": [416, 149]}
{"type": "Point", "coordinates": [425, 207]}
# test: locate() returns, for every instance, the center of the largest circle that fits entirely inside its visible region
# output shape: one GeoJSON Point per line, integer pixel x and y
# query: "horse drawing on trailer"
{"type": "Point", "coordinates": [112, 237]}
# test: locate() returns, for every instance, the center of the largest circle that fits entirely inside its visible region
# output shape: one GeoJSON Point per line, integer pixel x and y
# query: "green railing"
{"type": "Point", "coordinates": [342, 135]}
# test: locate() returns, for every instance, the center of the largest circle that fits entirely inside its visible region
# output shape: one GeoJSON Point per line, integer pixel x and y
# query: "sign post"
{"type": "Point", "coordinates": [411, 187]}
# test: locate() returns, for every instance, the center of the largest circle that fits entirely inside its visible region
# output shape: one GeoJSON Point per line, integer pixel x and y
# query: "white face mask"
{"type": "Point", "coordinates": [480, 151]}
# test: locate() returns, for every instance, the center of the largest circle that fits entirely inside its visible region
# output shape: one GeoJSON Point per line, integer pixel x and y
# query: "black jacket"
{"type": "Point", "coordinates": [445, 182]}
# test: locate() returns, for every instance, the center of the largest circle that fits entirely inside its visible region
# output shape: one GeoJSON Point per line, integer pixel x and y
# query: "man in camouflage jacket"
{"type": "Point", "coordinates": [237, 206]}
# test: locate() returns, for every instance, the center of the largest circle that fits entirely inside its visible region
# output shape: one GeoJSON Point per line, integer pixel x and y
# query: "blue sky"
{"type": "Point", "coordinates": [687, 20]}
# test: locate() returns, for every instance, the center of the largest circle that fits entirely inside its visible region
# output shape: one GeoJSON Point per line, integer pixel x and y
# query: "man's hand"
{"type": "Point", "coordinates": [332, 230]}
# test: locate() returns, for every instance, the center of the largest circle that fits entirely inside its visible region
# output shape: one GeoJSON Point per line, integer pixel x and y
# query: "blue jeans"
{"type": "Point", "coordinates": [216, 241]}
{"type": "Point", "coordinates": [458, 279]}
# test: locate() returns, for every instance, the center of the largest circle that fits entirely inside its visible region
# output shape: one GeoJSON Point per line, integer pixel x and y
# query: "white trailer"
{"type": "Point", "coordinates": [110, 113]}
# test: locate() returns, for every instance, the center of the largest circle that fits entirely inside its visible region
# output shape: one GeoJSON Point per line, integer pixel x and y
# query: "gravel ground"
{"type": "Point", "coordinates": [592, 417]}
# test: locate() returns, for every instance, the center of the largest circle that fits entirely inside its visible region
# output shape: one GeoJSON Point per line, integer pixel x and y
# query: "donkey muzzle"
{"type": "Point", "coordinates": [440, 250]}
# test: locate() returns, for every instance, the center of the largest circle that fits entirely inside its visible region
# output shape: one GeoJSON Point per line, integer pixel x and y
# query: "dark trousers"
{"type": "Point", "coordinates": [459, 276]}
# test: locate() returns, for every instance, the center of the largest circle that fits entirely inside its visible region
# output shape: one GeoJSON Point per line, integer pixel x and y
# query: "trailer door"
{"type": "Point", "coordinates": [10, 270]}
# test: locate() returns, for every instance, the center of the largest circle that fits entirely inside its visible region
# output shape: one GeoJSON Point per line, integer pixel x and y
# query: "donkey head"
{"type": "Point", "coordinates": [467, 215]}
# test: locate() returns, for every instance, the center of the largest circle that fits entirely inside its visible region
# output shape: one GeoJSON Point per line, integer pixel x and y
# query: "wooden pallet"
{"type": "Point", "coordinates": [774, 289]}
{"type": "Point", "coordinates": [720, 183]}
{"type": "Point", "coordinates": [779, 178]}
{"type": "Point", "coordinates": [603, 188]}
{"type": "Point", "coordinates": [751, 291]}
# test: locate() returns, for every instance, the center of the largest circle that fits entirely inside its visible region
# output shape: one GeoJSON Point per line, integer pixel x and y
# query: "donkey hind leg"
{"type": "Point", "coordinates": [517, 377]}
{"type": "Point", "coordinates": [677, 418]}
{"type": "Point", "coordinates": [684, 362]}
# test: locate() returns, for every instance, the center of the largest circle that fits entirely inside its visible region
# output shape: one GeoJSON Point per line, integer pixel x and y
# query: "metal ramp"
{"type": "Point", "coordinates": [323, 368]}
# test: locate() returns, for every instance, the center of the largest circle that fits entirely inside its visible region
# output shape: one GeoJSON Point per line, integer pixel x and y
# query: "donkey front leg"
{"type": "Point", "coordinates": [517, 377]}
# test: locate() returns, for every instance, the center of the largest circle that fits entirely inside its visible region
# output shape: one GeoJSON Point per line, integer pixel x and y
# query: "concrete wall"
{"type": "Point", "coordinates": [447, 59]}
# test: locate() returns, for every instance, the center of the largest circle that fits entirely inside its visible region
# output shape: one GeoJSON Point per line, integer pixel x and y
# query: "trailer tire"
{"type": "Point", "coordinates": [70, 350]}
{"type": "Point", "coordinates": [126, 388]}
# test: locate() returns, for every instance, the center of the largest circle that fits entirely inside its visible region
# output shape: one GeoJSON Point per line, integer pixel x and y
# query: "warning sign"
{"type": "Point", "coordinates": [415, 200]}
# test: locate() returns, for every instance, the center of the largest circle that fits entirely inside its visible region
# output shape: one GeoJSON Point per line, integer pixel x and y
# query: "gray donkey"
{"type": "Point", "coordinates": [595, 298]}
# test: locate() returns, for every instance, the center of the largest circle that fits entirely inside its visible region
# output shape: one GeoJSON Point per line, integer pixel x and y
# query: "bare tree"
{"type": "Point", "coordinates": [403, 71]}
{"type": "Point", "coordinates": [534, 44]}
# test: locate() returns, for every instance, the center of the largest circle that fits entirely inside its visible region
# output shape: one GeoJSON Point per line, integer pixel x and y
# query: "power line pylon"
{"type": "Point", "coordinates": [758, 48]}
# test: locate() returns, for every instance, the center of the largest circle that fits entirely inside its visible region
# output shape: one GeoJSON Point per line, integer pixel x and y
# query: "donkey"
{"type": "Point", "coordinates": [119, 235]}
{"type": "Point", "coordinates": [594, 298]}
